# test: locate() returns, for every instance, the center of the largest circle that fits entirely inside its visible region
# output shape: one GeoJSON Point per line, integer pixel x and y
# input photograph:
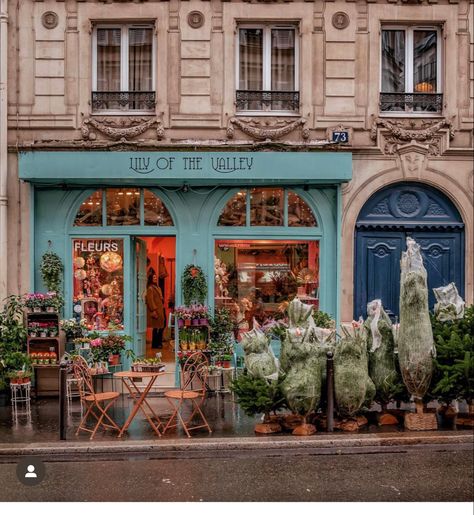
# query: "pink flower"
{"type": "Point", "coordinates": [97, 342]}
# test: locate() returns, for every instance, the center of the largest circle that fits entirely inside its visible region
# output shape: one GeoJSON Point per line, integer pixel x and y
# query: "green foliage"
{"type": "Point", "coordinates": [256, 395]}
{"type": "Point", "coordinates": [194, 285]}
{"type": "Point", "coordinates": [12, 330]}
{"type": "Point", "coordinates": [221, 331]}
{"type": "Point", "coordinates": [453, 376]}
{"type": "Point", "coordinates": [51, 268]}
{"type": "Point", "coordinates": [322, 319]}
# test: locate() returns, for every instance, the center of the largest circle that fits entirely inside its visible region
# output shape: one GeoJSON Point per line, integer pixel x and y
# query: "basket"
{"type": "Point", "coordinates": [421, 421]}
{"type": "Point", "coordinates": [138, 367]}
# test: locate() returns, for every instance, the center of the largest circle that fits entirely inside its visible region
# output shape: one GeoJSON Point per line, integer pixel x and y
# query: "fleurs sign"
{"type": "Point", "coordinates": [146, 165]}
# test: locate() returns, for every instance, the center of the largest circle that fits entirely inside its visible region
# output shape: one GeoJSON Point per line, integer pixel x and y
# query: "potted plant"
{"type": "Point", "coordinates": [33, 329]}
{"type": "Point", "coordinates": [194, 285]}
{"type": "Point", "coordinates": [73, 328]}
{"type": "Point", "coordinates": [34, 302]}
{"type": "Point", "coordinates": [52, 330]}
{"type": "Point", "coordinates": [226, 361]}
{"type": "Point", "coordinates": [51, 269]}
{"type": "Point", "coordinates": [43, 329]}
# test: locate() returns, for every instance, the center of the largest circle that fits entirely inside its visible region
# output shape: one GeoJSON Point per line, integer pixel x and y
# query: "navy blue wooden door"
{"type": "Point", "coordinates": [384, 223]}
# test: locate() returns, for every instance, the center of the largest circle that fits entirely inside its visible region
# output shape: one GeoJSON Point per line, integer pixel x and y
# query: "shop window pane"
{"type": "Point", "coordinates": [256, 279]}
{"type": "Point", "coordinates": [98, 282]}
{"type": "Point", "coordinates": [90, 212]}
{"type": "Point", "coordinates": [235, 212]}
{"type": "Point", "coordinates": [155, 211]}
{"type": "Point", "coordinates": [266, 206]}
{"type": "Point", "coordinates": [123, 206]}
{"type": "Point", "coordinates": [299, 213]}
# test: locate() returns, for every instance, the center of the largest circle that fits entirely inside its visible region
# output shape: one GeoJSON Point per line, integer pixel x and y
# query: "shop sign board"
{"type": "Point", "coordinates": [192, 167]}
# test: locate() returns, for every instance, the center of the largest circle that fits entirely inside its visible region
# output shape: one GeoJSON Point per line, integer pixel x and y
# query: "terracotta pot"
{"type": "Point", "coordinates": [187, 323]}
{"type": "Point", "coordinates": [226, 364]}
{"type": "Point", "coordinates": [114, 359]}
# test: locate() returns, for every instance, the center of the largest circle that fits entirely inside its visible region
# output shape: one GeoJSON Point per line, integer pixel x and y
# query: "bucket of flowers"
{"type": "Point", "coordinates": [149, 365]}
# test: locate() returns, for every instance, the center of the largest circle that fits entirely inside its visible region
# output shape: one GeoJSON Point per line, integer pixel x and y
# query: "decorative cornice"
{"type": "Point", "coordinates": [120, 128]}
{"type": "Point", "coordinates": [266, 130]}
{"type": "Point", "coordinates": [399, 133]}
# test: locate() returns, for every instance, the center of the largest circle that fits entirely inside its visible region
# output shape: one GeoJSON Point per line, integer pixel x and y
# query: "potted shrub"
{"type": "Point", "coordinates": [226, 361]}
{"type": "Point", "coordinates": [194, 285]}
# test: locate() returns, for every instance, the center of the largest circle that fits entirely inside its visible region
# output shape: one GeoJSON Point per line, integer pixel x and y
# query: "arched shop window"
{"type": "Point", "coordinates": [123, 206]}
{"type": "Point", "coordinates": [274, 207]}
{"type": "Point", "coordinates": [98, 262]}
{"type": "Point", "coordinates": [256, 277]}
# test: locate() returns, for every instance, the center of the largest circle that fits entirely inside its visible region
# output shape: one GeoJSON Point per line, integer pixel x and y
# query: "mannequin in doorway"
{"type": "Point", "coordinates": [155, 313]}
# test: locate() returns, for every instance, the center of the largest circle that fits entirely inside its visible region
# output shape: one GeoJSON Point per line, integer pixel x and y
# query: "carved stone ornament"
{"type": "Point", "coordinates": [120, 129]}
{"type": "Point", "coordinates": [398, 134]}
{"type": "Point", "coordinates": [266, 130]}
{"type": "Point", "coordinates": [195, 19]}
{"type": "Point", "coordinates": [50, 20]}
{"type": "Point", "coordinates": [340, 20]}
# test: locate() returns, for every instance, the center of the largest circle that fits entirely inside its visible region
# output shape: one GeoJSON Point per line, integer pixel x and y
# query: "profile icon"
{"type": "Point", "coordinates": [31, 471]}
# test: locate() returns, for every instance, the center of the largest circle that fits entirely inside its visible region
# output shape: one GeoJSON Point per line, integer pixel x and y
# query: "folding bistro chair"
{"type": "Point", "coordinates": [94, 404]}
{"type": "Point", "coordinates": [194, 376]}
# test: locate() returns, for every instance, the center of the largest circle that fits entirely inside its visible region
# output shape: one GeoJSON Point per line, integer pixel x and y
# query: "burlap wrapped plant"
{"type": "Point", "coordinates": [353, 387]}
{"type": "Point", "coordinates": [382, 362]}
{"type": "Point", "coordinates": [450, 305]}
{"type": "Point", "coordinates": [260, 361]}
{"type": "Point", "coordinates": [415, 338]}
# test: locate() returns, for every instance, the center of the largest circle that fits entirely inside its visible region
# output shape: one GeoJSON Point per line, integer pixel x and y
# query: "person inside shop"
{"type": "Point", "coordinates": [155, 313]}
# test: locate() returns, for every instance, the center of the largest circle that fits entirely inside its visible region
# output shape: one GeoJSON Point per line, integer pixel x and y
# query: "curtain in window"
{"type": "Point", "coordinates": [140, 48]}
{"type": "Point", "coordinates": [108, 59]}
{"type": "Point", "coordinates": [283, 60]}
{"type": "Point", "coordinates": [251, 59]}
{"type": "Point", "coordinates": [424, 61]}
{"type": "Point", "coordinates": [393, 61]}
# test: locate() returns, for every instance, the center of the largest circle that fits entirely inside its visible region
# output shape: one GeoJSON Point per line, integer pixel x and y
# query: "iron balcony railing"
{"type": "Point", "coordinates": [123, 100]}
{"type": "Point", "coordinates": [411, 102]}
{"type": "Point", "coordinates": [248, 100]}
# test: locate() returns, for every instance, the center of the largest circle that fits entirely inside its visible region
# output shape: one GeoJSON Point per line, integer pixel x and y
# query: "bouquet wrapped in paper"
{"type": "Point", "coordinates": [381, 350]}
{"type": "Point", "coordinates": [415, 336]}
{"type": "Point", "coordinates": [352, 385]}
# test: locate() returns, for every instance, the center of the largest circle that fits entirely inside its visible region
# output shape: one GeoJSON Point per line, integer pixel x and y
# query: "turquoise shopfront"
{"type": "Point", "coordinates": [262, 225]}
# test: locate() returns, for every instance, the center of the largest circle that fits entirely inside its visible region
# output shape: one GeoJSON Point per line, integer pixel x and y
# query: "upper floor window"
{"type": "Point", "coordinates": [267, 76]}
{"type": "Point", "coordinates": [411, 70]}
{"type": "Point", "coordinates": [123, 68]}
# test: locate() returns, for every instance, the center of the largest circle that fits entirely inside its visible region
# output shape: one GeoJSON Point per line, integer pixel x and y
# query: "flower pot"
{"type": "Point", "coordinates": [114, 359]}
{"type": "Point", "coordinates": [33, 334]}
{"type": "Point", "coordinates": [226, 364]}
{"type": "Point", "coordinates": [184, 346]}
{"type": "Point", "coordinates": [36, 310]}
{"type": "Point", "coordinates": [195, 321]}
{"type": "Point", "coordinates": [16, 380]}
{"type": "Point", "coordinates": [180, 323]}
{"type": "Point", "coordinates": [43, 334]}
{"type": "Point", "coordinates": [50, 309]}
{"type": "Point", "coordinates": [192, 346]}
{"type": "Point", "coordinates": [187, 323]}
{"type": "Point", "coordinates": [203, 321]}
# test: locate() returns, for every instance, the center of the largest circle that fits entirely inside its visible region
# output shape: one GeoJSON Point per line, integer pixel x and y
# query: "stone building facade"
{"type": "Point", "coordinates": [415, 139]}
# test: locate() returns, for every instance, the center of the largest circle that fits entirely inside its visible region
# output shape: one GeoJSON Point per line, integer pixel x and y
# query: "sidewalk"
{"type": "Point", "coordinates": [232, 431]}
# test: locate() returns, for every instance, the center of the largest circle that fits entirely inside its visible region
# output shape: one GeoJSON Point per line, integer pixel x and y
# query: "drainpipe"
{"type": "Point", "coordinates": [3, 146]}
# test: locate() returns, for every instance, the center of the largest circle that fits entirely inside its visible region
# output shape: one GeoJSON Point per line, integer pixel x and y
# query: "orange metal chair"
{"type": "Point", "coordinates": [94, 404]}
{"type": "Point", "coordinates": [194, 375]}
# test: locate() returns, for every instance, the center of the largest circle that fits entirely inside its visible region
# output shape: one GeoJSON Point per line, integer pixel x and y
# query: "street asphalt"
{"type": "Point", "coordinates": [415, 473]}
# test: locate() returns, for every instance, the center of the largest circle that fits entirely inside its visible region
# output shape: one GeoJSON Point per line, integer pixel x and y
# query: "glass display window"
{"type": "Point", "coordinates": [299, 213]}
{"type": "Point", "coordinates": [155, 211]}
{"type": "Point", "coordinates": [267, 206]}
{"type": "Point", "coordinates": [256, 279]}
{"type": "Point", "coordinates": [90, 212]}
{"type": "Point", "coordinates": [98, 282]}
{"type": "Point", "coordinates": [235, 211]}
{"type": "Point", "coordinates": [123, 206]}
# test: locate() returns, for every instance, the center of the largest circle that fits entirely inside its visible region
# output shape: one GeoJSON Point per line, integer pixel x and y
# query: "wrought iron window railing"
{"type": "Point", "coordinates": [123, 100]}
{"type": "Point", "coordinates": [248, 100]}
{"type": "Point", "coordinates": [411, 102]}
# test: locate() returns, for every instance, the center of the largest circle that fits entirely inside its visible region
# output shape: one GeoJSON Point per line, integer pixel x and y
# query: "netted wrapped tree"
{"type": "Point", "coordinates": [381, 351]}
{"type": "Point", "coordinates": [258, 390]}
{"type": "Point", "coordinates": [301, 358]}
{"type": "Point", "coordinates": [353, 387]}
{"type": "Point", "coordinates": [415, 338]}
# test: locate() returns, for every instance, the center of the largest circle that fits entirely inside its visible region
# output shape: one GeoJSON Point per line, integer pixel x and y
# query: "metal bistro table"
{"type": "Point", "coordinates": [139, 398]}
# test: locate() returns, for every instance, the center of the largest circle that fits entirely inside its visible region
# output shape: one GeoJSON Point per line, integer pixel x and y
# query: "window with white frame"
{"type": "Point", "coordinates": [123, 68]}
{"type": "Point", "coordinates": [267, 68]}
{"type": "Point", "coordinates": [411, 70]}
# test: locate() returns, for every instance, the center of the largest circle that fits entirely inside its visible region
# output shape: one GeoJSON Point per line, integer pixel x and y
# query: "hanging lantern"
{"type": "Point", "coordinates": [80, 274]}
{"type": "Point", "coordinates": [111, 262]}
{"type": "Point", "coordinates": [79, 262]}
